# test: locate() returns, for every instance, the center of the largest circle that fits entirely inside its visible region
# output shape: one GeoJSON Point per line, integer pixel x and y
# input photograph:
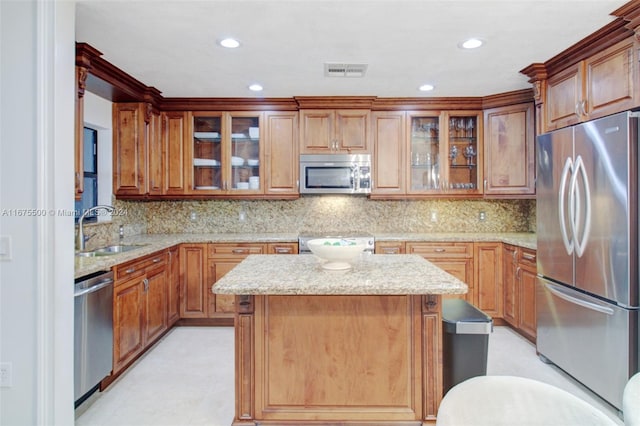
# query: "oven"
{"type": "Point", "coordinates": [358, 237]}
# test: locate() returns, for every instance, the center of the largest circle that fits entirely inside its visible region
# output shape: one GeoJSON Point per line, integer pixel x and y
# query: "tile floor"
{"type": "Point", "coordinates": [187, 379]}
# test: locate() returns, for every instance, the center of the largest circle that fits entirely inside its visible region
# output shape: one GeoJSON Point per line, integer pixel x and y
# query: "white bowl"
{"type": "Point", "coordinates": [339, 253]}
{"type": "Point", "coordinates": [237, 161]}
{"type": "Point", "coordinates": [254, 132]}
{"type": "Point", "coordinates": [253, 161]}
{"type": "Point", "coordinates": [242, 185]}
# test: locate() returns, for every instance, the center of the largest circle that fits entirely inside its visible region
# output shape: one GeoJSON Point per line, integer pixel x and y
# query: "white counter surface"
{"type": "Point", "coordinates": [370, 275]}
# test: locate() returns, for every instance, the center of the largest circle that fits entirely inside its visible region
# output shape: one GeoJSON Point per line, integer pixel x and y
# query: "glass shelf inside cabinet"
{"type": "Point", "coordinates": [463, 152]}
{"type": "Point", "coordinates": [425, 148]}
{"type": "Point", "coordinates": [207, 153]}
{"type": "Point", "coordinates": [245, 153]}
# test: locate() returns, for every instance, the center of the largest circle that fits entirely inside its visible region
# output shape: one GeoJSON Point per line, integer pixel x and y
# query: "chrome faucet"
{"type": "Point", "coordinates": [80, 239]}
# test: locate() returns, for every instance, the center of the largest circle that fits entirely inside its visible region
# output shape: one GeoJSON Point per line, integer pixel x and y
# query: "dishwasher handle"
{"type": "Point", "coordinates": [99, 285]}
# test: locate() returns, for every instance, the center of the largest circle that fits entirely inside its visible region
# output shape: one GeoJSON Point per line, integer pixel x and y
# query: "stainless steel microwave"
{"type": "Point", "coordinates": [335, 174]}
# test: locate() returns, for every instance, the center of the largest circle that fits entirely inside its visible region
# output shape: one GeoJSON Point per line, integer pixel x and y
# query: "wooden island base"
{"type": "Point", "coordinates": [338, 360]}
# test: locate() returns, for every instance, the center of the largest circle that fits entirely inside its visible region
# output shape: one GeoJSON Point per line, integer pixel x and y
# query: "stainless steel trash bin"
{"type": "Point", "coordinates": [465, 343]}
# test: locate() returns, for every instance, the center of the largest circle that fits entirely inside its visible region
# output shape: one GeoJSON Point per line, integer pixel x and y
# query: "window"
{"type": "Point", "coordinates": [90, 194]}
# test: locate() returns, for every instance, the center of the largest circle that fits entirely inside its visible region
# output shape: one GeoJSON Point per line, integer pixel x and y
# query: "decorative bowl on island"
{"type": "Point", "coordinates": [338, 253]}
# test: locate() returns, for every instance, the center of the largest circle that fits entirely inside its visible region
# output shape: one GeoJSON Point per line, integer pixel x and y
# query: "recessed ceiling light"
{"type": "Point", "coordinates": [255, 88]}
{"type": "Point", "coordinates": [471, 43]}
{"type": "Point", "coordinates": [426, 87]}
{"type": "Point", "coordinates": [230, 43]}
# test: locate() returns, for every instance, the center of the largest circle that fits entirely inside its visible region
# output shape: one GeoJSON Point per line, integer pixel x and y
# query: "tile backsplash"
{"type": "Point", "coordinates": [316, 214]}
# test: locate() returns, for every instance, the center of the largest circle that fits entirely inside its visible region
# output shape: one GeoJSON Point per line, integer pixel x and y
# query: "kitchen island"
{"type": "Point", "coordinates": [356, 347]}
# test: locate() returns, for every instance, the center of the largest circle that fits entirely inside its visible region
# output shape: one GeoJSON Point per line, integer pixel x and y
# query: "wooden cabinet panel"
{"type": "Point", "coordinates": [224, 303]}
{"type": "Point", "coordinates": [282, 248]}
{"type": "Point", "coordinates": [156, 160]}
{"type": "Point", "coordinates": [222, 258]}
{"type": "Point", "coordinates": [564, 94]}
{"type": "Point", "coordinates": [389, 156]}
{"type": "Point", "coordinates": [129, 149]}
{"type": "Point", "coordinates": [174, 134]}
{"type": "Point", "coordinates": [488, 278]}
{"type": "Point", "coordinates": [390, 247]}
{"type": "Point", "coordinates": [602, 84]}
{"type": "Point", "coordinates": [328, 131]}
{"type": "Point", "coordinates": [520, 289]}
{"type": "Point", "coordinates": [611, 80]}
{"type": "Point", "coordinates": [281, 153]}
{"type": "Point", "coordinates": [173, 286]}
{"type": "Point", "coordinates": [81, 78]}
{"type": "Point", "coordinates": [193, 295]}
{"type": "Point", "coordinates": [453, 257]}
{"type": "Point", "coordinates": [509, 259]}
{"type": "Point", "coordinates": [509, 144]}
{"type": "Point", "coordinates": [128, 322]}
{"type": "Point", "coordinates": [155, 312]}
{"type": "Point", "coordinates": [528, 322]}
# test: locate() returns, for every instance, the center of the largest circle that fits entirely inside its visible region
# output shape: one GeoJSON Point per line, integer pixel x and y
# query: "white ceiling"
{"type": "Point", "coordinates": [171, 45]}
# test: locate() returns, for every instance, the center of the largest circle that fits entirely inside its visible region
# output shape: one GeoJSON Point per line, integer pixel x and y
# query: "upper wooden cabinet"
{"type": "Point", "coordinates": [174, 141]}
{"type": "Point", "coordinates": [427, 153]}
{"type": "Point", "coordinates": [509, 157]}
{"type": "Point", "coordinates": [389, 146]}
{"type": "Point", "coordinates": [329, 131]}
{"type": "Point", "coordinates": [281, 153]}
{"type": "Point", "coordinates": [130, 149]}
{"type": "Point", "coordinates": [604, 83]}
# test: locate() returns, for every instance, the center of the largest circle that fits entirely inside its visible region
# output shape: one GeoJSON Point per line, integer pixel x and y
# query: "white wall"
{"type": "Point", "coordinates": [98, 116]}
{"type": "Point", "coordinates": [37, 56]}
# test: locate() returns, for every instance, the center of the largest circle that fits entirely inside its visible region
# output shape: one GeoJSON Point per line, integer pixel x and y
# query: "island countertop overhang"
{"type": "Point", "coordinates": [371, 274]}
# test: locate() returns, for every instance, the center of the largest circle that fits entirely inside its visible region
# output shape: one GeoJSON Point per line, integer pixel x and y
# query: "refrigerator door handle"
{"type": "Point", "coordinates": [578, 301]}
{"type": "Point", "coordinates": [568, 243]}
{"type": "Point", "coordinates": [580, 241]}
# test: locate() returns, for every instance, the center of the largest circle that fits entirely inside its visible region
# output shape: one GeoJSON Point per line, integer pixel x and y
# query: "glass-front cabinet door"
{"type": "Point", "coordinates": [425, 152]}
{"type": "Point", "coordinates": [443, 152]}
{"type": "Point", "coordinates": [207, 152]}
{"type": "Point", "coordinates": [226, 152]}
{"type": "Point", "coordinates": [463, 148]}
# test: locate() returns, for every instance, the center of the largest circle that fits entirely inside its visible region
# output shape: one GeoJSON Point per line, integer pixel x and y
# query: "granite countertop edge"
{"type": "Point", "coordinates": [151, 243]}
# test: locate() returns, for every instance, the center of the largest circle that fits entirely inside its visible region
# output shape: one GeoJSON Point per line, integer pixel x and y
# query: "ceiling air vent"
{"type": "Point", "coordinates": [344, 70]}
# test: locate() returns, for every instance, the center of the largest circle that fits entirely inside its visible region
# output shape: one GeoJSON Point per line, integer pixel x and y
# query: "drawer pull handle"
{"type": "Point", "coordinates": [157, 259]}
{"type": "Point", "coordinates": [391, 250]}
{"type": "Point", "coordinates": [439, 250]}
{"type": "Point", "coordinates": [528, 256]}
{"type": "Point", "coordinates": [240, 251]}
{"type": "Point", "coordinates": [130, 270]}
{"type": "Point", "coordinates": [283, 250]}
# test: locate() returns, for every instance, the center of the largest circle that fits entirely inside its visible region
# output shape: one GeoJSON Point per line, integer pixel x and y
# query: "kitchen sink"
{"type": "Point", "coordinates": [110, 250]}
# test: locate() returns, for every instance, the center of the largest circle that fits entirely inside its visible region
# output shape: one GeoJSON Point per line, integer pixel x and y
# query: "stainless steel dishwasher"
{"type": "Point", "coordinates": [93, 332]}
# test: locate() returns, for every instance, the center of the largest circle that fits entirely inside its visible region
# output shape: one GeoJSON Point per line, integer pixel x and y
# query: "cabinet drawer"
{"type": "Point", "coordinates": [282, 248]}
{"type": "Point", "coordinates": [441, 250]}
{"type": "Point", "coordinates": [139, 266]}
{"type": "Point", "coordinates": [527, 258]}
{"type": "Point", "coordinates": [235, 251]}
{"type": "Point", "coordinates": [390, 247]}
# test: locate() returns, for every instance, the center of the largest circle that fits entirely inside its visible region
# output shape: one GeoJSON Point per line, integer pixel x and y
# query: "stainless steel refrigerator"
{"type": "Point", "coordinates": [587, 231]}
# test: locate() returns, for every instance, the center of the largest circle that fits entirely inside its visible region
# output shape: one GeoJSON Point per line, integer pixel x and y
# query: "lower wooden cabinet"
{"type": "Point", "coordinates": [139, 307]}
{"type": "Point", "coordinates": [488, 295]}
{"type": "Point", "coordinates": [519, 275]}
{"type": "Point", "coordinates": [173, 287]}
{"type": "Point", "coordinates": [193, 281]}
{"type": "Point", "coordinates": [453, 257]}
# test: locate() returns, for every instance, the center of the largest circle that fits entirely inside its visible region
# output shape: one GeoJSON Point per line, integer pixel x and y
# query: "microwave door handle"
{"type": "Point", "coordinates": [568, 244]}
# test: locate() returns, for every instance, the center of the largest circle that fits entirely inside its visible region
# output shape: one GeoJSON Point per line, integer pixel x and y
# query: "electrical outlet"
{"type": "Point", "coordinates": [434, 216]}
{"type": "Point", "coordinates": [242, 216]}
{"type": "Point", "coordinates": [482, 216]}
{"type": "Point", "coordinates": [6, 375]}
{"type": "Point", "coordinates": [193, 216]}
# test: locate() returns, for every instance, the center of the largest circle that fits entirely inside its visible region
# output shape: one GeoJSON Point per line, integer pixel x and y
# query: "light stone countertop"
{"type": "Point", "coordinates": [371, 274]}
{"type": "Point", "coordinates": [154, 242]}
